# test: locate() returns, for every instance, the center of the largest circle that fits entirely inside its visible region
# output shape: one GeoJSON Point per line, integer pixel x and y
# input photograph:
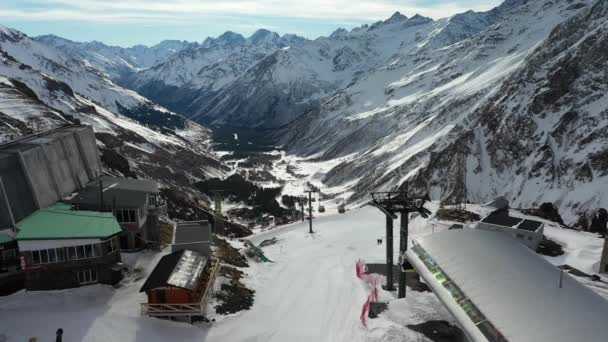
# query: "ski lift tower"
{"type": "Point", "coordinates": [218, 221]}
{"type": "Point", "coordinates": [310, 192]}
{"type": "Point", "coordinates": [391, 203]}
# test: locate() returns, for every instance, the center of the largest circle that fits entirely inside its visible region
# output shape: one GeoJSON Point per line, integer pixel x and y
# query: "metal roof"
{"type": "Point", "coordinates": [529, 225]}
{"type": "Point", "coordinates": [118, 192]}
{"type": "Point", "coordinates": [142, 185]}
{"type": "Point", "coordinates": [491, 277]}
{"type": "Point", "coordinates": [188, 232]}
{"type": "Point", "coordinates": [60, 222]}
{"type": "Point", "coordinates": [502, 218]}
{"type": "Point", "coordinates": [183, 269]}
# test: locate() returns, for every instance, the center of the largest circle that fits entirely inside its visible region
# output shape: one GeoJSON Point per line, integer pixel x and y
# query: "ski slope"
{"type": "Point", "coordinates": [311, 292]}
{"type": "Point", "coordinates": [308, 293]}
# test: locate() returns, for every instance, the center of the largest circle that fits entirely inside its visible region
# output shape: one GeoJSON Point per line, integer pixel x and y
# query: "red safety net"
{"type": "Point", "coordinates": [371, 281]}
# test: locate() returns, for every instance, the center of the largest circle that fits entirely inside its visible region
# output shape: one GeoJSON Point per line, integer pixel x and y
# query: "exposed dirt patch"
{"type": "Point", "coordinates": [228, 254]}
{"type": "Point", "coordinates": [438, 331]}
{"type": "Point", "coordinates": [233, 296]}
{"type": "Point", "coordinates": [550, 248]}
{"type": "Point", "coordinates": [547, 211]}
{"type": "Point", "coordinates": [376, 309]}
{"type": "Point", "coordinates": [463, 216]}
{"type": "Point", "coordinates": [166, 233]}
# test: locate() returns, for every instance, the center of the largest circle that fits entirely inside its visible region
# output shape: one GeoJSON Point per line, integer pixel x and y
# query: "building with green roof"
{"type": "Point", "coordinates": [59, 221]}
{"type": "Point", "coordinates": [65, 248]}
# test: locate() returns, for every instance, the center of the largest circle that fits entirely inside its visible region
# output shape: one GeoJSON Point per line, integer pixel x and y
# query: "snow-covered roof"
{"type": "Point", "coordinates": [490, 282]}
{"type": "Point", "coordinates": [183, 269]}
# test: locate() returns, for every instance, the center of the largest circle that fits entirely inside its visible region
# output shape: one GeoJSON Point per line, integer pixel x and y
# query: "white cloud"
{"type": "Point", "coordinates": [176, 11]}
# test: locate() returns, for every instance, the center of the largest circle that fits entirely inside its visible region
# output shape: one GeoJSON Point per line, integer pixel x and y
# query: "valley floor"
{"type": "Point", "coordinates": [308, 293]}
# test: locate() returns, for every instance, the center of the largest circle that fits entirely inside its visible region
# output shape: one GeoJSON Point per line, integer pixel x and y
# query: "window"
{"type": "Point", "coordinates": [44, 257]}
{"type": "Point", "coordinates": [126, 215]}
{"type": "Point", "coordinates": [52, 255]}
{"type": "Point", "coordinates": [60, 256]}
{"type": "Point", "coordinates": [109, 246]}
{"type": "Point", "coordinates": [88, 250]}
{"type": "Point", "coordinates": [520, 236]}
{"type": "Point", "coordinates": [72, 253]}
{"type": "Point", "coordinates": [472, 311]}
{"type": "Point", "coordinates": [80, 252]}
{"type": "Point", "coordinates": [36, 257]}
{"type": "Point", "coordinates": [87, 276]}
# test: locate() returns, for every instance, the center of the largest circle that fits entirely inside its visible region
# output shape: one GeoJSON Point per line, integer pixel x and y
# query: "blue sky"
{"type": "Point", "coordinates": [126, 23]}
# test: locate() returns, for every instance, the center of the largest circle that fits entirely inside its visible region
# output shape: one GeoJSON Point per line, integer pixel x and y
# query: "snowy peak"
{"type": "Point", "coordinates": [263, 36]}
{"type": "Point", "coordinates": [290, 39]}
{"type": "Point", "coordinates": [419, 19]}
{"type": "Point", "coordinates": [339, 33]}
{"type": "Point", "coordinates": [396, 17]}
{"type": "Point", "coordinates": [227, 38]}
{"type": "Point", "coordinates": [114, 61]}
{"type": "Point", "coordinates": [8, 34]}
{"type": "Point", "coordinates": [259, 37]}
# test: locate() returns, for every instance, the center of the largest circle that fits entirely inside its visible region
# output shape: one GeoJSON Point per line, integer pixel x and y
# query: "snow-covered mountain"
{"type": "Point", "coordinates": [523, 102]}
{"type": "Point", "coordinates": [271, 87]}
{"type": "Point", "coordinates": [42, 87]}
{"type": "Point", "coordinates": [115, 61]}
{"type": "Point", "coordinates": [259, 37]}
{"type": "Point", "coordinates": [187, 80]}
{"type": "Point", "coordinates": [516, 94]}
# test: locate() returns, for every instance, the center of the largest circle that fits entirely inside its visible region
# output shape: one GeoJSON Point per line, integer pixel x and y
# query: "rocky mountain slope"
{"type": "Point", "coordinates": [41, 88]}
{"type": "Point", "coordinates": [521, 104]}
{"type": "Point", "coordinates": [115, 61]}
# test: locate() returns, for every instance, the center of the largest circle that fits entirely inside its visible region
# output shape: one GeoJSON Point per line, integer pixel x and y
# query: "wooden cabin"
{"type": "Point", "coordinates": [179, 285]}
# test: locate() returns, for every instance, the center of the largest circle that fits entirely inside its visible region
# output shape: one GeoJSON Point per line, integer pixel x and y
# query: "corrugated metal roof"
{"type": "Point", "coordinates": [188, 232]}
{"type": "Point", "coordinates": [515, 289]}
{"type": "Point", "coordinates": [182, 269]}
{"type": "Point", "coordinates": [60, 222]}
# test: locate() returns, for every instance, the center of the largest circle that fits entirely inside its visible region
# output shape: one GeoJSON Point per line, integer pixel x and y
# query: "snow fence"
{"type": "Point", "coordinates": [371, 282]}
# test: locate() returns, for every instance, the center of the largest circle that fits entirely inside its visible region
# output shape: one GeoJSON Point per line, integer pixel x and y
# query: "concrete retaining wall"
{"type": "Point", "coordinates": [41, 170]}
{"type": "Point", "coordinates": [90, 152]}
{"type": "Point", "coordinates": [39, 173]}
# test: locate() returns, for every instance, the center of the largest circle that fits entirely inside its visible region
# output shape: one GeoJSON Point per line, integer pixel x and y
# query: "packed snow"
{"type": "Point", "coordinates": [309, 292]}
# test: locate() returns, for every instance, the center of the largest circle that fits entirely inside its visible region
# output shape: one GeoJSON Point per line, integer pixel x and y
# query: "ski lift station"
{"type": "Point", "coordinates": [499, 290]}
